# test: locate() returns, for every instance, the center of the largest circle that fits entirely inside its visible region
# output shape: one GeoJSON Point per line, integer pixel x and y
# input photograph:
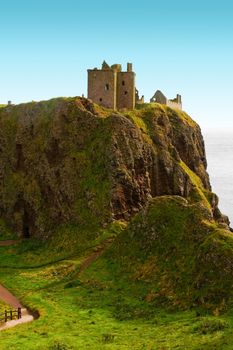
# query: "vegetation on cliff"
{"type": "Point", "coordinates": [67, 160]}
{"type": "Point", "coordinates": [74, 175]}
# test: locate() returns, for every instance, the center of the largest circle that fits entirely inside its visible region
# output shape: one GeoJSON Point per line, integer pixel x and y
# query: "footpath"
{"type": "Point", "coordinates": [11, 300]}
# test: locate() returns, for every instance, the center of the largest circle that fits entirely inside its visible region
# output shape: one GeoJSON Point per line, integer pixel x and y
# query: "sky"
{"type": "Point", "coordinates": [176, 46]}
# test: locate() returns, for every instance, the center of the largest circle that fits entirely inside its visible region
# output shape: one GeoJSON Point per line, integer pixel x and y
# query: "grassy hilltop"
{"type": "Point", "coordinates": [124, 246]}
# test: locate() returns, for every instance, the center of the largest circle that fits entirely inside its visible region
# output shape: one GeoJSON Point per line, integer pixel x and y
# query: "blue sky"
{"type": "Point", "coordinates": [176, 46]}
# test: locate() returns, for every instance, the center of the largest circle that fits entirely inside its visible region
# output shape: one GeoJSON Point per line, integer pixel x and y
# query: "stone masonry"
{"type": "Point", "coordinates": [111, 87]}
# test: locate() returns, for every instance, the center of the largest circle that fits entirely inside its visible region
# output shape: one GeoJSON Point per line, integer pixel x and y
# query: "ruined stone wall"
{"type": "Point", "coordinates": [140, 101]}
{"type": "Point", "coordinates": [102, 87]}
{"type": "Point", "coordinates": [173, 104]}
{"type": "Point", "coordinates": [126, 90]}
{"type": "Point", "coordinates": [159, 98]}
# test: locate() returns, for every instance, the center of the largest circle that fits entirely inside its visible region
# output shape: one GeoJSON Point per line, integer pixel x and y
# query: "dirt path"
{"type": "Point", "coordinates": [11, 300]}
{"type": "Point", "coordinates": [89, 260]}
{"type": "Point", "coordinates": [6, 243]}
{"type": "Point", "coordinates": [99, 250]}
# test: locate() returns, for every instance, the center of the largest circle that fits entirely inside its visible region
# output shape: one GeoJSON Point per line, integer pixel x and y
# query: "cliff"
{"type": "Point", "coordinates": [67, 160]}
{"type": "Point", "coordinates": [70, 164]}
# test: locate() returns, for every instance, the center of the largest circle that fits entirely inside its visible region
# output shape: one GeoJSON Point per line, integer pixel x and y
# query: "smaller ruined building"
{"type": "Point", "coordinates": [160, 98]}
{"type": "Point", "coordinates": [113, 88]}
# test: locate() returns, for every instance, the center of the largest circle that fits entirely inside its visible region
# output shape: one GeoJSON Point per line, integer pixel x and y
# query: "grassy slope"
{"type": "Point", "coordinates": [184, 258]}
{"type": "Point", "coordinates": [105, 307]}
{"type": "Point", "coordinates": [111, 305]}
{"type": "Point", "coordinates": [128, 297]}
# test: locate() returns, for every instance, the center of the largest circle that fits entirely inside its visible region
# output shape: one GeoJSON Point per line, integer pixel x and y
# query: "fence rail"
{"type": "Point", "coordinates": [11, 315]}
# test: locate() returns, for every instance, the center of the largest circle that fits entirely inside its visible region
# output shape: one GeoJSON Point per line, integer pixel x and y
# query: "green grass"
{"type": "Point", "coordinates": [174, 114]}
{"type": "Point", "coordinates": [4, 306]}
{"type": "Point", "coordinates": [67, 242]}
{"type": "Point", "coordinates": [116, 302]}
{"type": "Point", "coordinates": [181, 254]}
{"type": "Point", "coordinates": [103, 311]}
{"type": "Point", "coordinates": [198, 193]}
{"type": "Point", "coordinates": [166, 280]}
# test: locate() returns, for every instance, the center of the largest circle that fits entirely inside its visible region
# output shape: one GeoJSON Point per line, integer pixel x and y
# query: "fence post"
{"type": "Point", "coordinates": [11, 314]}
{"type": "Point", "coordinates": [5, 316]}
{"type": "Point", "coordinates": [19, 313]}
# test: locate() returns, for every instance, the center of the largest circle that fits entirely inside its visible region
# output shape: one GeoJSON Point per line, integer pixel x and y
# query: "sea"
{"type": "Point", "coordinates": [219, 153]}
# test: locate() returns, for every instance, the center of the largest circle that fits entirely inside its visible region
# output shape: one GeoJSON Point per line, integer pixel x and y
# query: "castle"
{"type": "Point", "coordinates": [113, 88]}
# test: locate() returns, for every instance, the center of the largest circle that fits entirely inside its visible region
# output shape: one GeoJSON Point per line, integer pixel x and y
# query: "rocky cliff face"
{"type": "Point", "coordinates": [67, 160]}
{"type": "Point", "coordinates": [147, 151]}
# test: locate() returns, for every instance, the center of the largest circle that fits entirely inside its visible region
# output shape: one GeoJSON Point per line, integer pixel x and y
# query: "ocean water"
{"type": "Point", "coordinates": [219, 152]}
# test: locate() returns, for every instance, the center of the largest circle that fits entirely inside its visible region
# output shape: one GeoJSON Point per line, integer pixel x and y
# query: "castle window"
{"type": "Point", "coordinates": [123, 83]}
{"type": "Point", "coordinates": [106, 88]}
{"type": "Point", "coordinates": [126, 92]}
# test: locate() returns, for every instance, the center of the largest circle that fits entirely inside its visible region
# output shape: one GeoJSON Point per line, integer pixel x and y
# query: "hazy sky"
{"type": "Point", "coordinates": [177, 46]}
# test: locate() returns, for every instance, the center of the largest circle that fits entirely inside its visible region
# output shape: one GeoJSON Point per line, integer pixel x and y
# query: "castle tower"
{"type": "Point", "coordinates": [112, 88]}
{"type": "Point", "coordinates": [102, 86]}
{"type": "Point", "coordinates": [126, 88]}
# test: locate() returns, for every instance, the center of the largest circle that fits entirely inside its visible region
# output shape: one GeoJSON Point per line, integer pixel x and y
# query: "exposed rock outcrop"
{"type": "Point", "coordinates": [68, 160]}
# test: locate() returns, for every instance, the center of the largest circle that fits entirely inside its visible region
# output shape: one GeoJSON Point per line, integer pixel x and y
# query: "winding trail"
{"type": "Point", "coordinates": [11, 300]}
{"type": "Point", "coordinates": [98, 251]}
{"type": "Point", "coordinates": [8, 242]}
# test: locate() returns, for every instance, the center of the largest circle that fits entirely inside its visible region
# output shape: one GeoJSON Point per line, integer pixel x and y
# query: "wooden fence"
{"type": "Point", "coordinates": [11, 315]}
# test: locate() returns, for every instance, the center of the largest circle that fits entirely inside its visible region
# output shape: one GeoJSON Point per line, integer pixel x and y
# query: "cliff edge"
{"type": "Point", "coordinates": [70, 160]}
{"type": "Point", "coordinates": [73, 169]}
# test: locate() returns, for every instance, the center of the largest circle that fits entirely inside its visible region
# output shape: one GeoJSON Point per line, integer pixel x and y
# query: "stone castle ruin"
{"type": "Point", "coordinates": [113, 88]}
{"type": "Point", "coordinates": [160, 98]}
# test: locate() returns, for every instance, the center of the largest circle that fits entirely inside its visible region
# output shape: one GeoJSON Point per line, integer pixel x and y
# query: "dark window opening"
{"type": "Point", "coordinates": [106, 88]}
{"type": "Point", "coordinates": [26, 225]}
{"type": "Point", "coordinates": [101, 99]}
{"type": "Point", "coordinates": [26, 231]}
{"type": "Point", "coordinates": [123, 83]}
{"type": "Point", "coordinates": [126, 92]}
